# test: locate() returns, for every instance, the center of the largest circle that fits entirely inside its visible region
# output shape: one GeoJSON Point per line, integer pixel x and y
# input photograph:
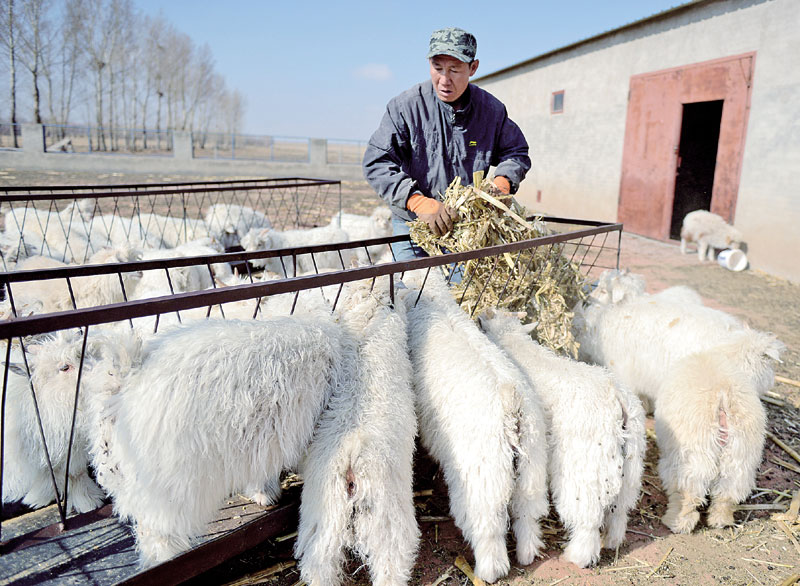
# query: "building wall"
{"type": "Point", "coordinates": [577, 155]}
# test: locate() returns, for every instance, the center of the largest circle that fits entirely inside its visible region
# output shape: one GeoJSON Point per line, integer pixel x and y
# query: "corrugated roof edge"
{"type": "Point", "coordinates": [637, 23]}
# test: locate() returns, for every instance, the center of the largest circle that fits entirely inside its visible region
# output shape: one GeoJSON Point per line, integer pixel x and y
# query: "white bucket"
{"type": "Point", "coordinates": [732, 259]}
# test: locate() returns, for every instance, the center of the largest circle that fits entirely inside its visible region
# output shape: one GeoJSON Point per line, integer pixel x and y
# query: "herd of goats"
{"type": "Point", "coordinates": [170, 423]}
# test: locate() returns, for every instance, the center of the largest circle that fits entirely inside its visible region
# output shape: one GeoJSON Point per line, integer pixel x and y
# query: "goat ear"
{"type": "Point", "coordinates": [520, 315]}
{"type": "Point", "coordinates": [31, 308]}
{"type": "Point", "coordinates": [402, 293]}
{"type": "Point", "coordinates": [529, 328]}
{"type": "Point", "coordinates": [617, 295]}
{"type": "Point", "coordinates": [17, 369]}
{"type": "Point", "coordinates": [774, 350]}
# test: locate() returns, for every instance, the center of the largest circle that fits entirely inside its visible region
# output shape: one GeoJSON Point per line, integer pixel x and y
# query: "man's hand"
{"type": "Point", "coordinates": [438, 216]}
{"type": "Point", "coordinates": [501, 189]}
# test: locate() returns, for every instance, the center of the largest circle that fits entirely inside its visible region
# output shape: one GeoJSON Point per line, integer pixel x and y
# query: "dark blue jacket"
{"type": "Point", "coordinates": [422, 144]}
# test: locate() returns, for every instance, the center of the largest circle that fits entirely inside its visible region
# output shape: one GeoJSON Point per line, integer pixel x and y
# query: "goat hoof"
{"type": "Point", "coordinates": [682, 523]}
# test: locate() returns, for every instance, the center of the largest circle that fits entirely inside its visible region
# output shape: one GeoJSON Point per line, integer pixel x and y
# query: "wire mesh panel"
{"type": "Point", "coordinates": [82, 542]}
{"type": "Point", "coordinates": [72, 226]}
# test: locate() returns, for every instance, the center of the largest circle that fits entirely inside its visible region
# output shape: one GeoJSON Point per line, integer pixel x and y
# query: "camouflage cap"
{"type": "Point", "coordinates": [455, 42]}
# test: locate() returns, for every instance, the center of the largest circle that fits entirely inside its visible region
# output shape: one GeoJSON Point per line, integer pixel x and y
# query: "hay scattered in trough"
{"type": "Point", "coordinates": [542, 281]}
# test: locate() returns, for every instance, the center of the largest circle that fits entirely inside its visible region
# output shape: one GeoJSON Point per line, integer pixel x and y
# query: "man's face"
{"type": "Point", "coordinates": [450, 76]}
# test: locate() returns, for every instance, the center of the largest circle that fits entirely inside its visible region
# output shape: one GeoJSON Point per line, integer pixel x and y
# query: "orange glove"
{"type": "Point", "coordinates": [501, 189]}
{"type": "Point", "coordinates": [438, 216]}
{"type": "Point", "coordinates": [502, 184]}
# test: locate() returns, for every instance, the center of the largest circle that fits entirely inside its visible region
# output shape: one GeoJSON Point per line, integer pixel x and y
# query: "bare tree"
{"type": "Point", "coordinates": [235, 111]}
{"type": "Point", "coordinates": [33, 37]}
{"type": "Point", "coordinates": [62, 70]}
{"type": "Point", "coordinates": [209, 108]}
{"type": "Point", "coordinates": [101, 22]}
{"type": "Point", "coordinates": [8, 41]}
{"type": "Point", "coordinates": [123, 70]}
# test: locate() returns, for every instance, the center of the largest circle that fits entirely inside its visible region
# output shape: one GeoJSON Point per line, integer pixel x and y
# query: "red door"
{"type": "Point", "coordinates": [652, 133]}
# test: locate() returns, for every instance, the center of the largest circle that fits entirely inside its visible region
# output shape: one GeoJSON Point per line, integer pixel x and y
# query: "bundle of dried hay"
{"type": "Point", "coordinates": [540, 281]}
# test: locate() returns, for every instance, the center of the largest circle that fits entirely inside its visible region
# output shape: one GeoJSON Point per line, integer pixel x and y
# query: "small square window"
{"type": "Point", "coordinates": [557, 103]}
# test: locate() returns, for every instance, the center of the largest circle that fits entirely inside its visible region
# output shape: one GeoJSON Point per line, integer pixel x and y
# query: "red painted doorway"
{"type": "Point", "coordinates": [657, 113]}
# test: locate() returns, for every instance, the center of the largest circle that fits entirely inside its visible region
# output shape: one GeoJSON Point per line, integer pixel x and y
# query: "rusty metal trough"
{"type": "Point", "coordinates": [52, 215]}
{"type": "Point", "coordinates": [50, 546]}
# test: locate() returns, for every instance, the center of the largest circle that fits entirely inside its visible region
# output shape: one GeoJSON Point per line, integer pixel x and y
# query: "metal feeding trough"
{"type": "Point", "coordinates": [51, 546]}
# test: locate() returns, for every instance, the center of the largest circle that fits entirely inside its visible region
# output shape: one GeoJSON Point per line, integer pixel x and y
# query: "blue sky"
{"type": "Point", "coordinates": [327, 69]}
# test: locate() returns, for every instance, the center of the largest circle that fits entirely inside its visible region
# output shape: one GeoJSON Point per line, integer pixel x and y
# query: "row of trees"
{"type": "Point", "coordinates": [102, 63]}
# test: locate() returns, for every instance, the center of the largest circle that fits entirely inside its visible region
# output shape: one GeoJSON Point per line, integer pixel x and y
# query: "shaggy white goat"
{"type": "Point", "coordinates": [474, 419]}
{"type": "Point", "coordinates": [268, 239]}
{"type": "Point", "coordinates": [710, 425]}
{"type": "Point", "coordinates": [115, 230]}
{"type": "Point", "coordinates": [640, 336]}
{"type": "Point", "coordinates": [53, 233]}
{"type": "Point", "coordinates": [187, 278]}
{"type": "Point", "coordinates": [358, 470]}
{"type": "Point", "coordinates": [358, 227]}
{"type": "Point", "coordinates": [596, 439]}
{"type": "Point", "coordinates": [26, 474]}
{"type": "Point", "coordinates": [703, 369]}
{"type": "Point", "coordinates": [709, 231]}
{"type": "Point", "coordinates": [90, 291]}
{"type": "Point", "coordinates": [227, 223]}
{"type": "Point", "coordinates": [167, 231]}
{"type": "Point", "coordinates": [13, 249]}
{"type": "Point", "coordinates": [186, 429]}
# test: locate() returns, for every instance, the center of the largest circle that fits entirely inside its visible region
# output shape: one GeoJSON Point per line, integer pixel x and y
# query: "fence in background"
{"type": "Point", "coordinates": [346, 152]}
{"type": "Point", "coordinates": [90, 139]}
{"type": "Point", "coordinates": [10, 136]}
{"type": "Point", "coordinates": [220, 145]}
{"type": "Point", "coordinates": [81, 149]}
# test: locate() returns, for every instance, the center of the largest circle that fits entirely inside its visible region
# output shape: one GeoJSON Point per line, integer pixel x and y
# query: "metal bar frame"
{"type": "Point", "coordinates": [238, 540]}
{"type": "Point", "coordinates": [159, 188]}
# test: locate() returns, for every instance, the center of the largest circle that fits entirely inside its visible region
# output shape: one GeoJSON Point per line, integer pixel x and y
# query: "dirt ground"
{"type": "Point", "coordinates": [760, 549]}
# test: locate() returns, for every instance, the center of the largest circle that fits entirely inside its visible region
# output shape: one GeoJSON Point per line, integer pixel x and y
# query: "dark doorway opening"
{"type": "Point", "coordinates": [697, 159]}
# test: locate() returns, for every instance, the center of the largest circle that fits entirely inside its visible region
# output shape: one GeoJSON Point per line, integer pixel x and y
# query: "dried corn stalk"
{"type": "Point", "coordinates": [541, 281]}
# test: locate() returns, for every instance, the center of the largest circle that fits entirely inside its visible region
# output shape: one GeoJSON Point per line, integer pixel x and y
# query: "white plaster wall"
{"type": "Point", "coordinates": [577, 155]}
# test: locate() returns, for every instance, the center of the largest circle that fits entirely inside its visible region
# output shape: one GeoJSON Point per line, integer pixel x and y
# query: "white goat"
{"type": "Point", "coordinates": [703, 370]}
{"type": "Point", "coordinates": [227, 223]}
{"type": "Point", "coordinates": [53, 233]}
{"type": "Point", "coordinates": [709, 231]}
{"type": "Point", "coordinates": [14, 249]}
{"type": "Point", "coordinates": [710, 425]}
{"type": "Point", "coordinates": [359, 227]}
{"type": "Point", "coordinates": [358, 470]}
{"type": "Point", "coordinates": [169, 231]}
{"type": "Point", "coordinates": [640, 336]}
{"type": "Point", "coordinates": [268, 239]}
{"type": "Point", "coordinates": [26, 474]}
{"type": "Point", "coordinates": [474, 417]}
{"type": "Point", "coordinates": [154, 282]}
{"type": "Point", "coordinates": [90, 291]}
{"type": "Point", "coordinates": [596, 439]}
{"type": "Point", "coordinates": [188, 428]}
